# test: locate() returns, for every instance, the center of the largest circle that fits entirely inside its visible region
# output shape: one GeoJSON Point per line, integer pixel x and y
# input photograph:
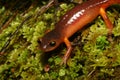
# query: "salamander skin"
{"type": "Point", "coordinates": [74, 20]}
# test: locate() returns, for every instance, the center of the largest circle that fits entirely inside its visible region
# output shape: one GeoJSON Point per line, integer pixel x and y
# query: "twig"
{"type": "Point", "coordinates": [45, 8]}
{"type": "Point", "coordinates": [12, 35]}
{"type": "Point", "coordinates": [8, 22]}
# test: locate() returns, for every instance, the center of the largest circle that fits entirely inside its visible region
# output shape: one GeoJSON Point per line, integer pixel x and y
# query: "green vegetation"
{"type": "Point", "coordinates": [95, 57]}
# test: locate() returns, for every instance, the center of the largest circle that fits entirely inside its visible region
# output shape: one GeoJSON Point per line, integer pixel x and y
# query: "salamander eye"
{"type": "Point", "coordinates": [53, 43]}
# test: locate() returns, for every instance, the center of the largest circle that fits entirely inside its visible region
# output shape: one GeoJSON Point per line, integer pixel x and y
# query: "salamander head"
{"type": "Point", "coordinates": [50, 41]}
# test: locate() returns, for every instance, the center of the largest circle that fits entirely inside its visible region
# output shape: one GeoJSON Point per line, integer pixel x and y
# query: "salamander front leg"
{"type": "Point", "coordinates": [107, 22]}
{"type": "Point", "coordinates": [69, 49]}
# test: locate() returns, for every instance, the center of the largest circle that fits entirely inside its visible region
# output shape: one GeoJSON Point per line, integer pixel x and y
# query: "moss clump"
{"type": "Point", "coordinates": [94, 58]}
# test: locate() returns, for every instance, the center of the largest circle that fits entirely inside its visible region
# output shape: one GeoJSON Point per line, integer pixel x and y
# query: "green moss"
{"type": "Point", "coordinates": [95, 58]}
{"type": "Point", "coordinates": [102, 42]}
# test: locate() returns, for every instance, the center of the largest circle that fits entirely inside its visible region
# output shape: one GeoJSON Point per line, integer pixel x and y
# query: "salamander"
{"type": "Point", "coordinates": [74, 20]}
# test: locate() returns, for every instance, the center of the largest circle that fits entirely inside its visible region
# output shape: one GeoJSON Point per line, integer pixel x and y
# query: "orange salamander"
{"type": "Point", "coordinates": [74, 20]}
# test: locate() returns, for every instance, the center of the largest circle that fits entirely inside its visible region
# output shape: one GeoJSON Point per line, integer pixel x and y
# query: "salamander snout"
{"type": "Point", "coordinates": [49, 41]}
{"type": "Point", "coordinates": [46, 45]}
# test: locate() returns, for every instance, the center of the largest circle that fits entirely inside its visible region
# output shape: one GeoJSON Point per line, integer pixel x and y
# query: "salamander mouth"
{"type": "Point", "coordinates": [45, 48]}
